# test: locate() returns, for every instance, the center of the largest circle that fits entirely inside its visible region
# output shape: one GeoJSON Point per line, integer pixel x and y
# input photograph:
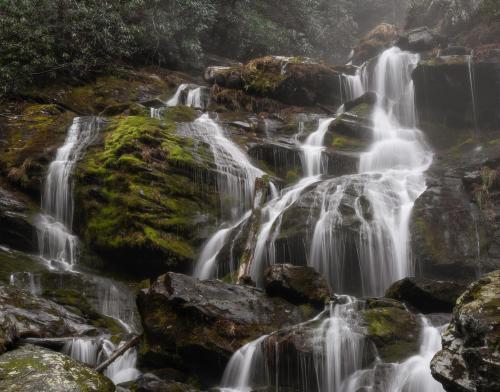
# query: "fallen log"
{"type": "Point", "coordinates": [120, 351]}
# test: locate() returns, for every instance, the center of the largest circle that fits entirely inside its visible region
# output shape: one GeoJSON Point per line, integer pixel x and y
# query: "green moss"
{"type": "Point", "coordinates": [180, 114]}
{"type": "Point", "coordinates": [12, 261]}
{"type": "Point", "coordinates": [137, 193]}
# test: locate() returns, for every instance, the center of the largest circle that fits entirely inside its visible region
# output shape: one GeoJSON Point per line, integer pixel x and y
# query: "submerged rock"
{"type": "Point", "coordinates": [470, 360]}
{"type": "Point", "coordinates": [197, 326]}
{"type": "Point", "coordinates": [426, 295]}
{"type": "Point", "coordinates": [31, 368]}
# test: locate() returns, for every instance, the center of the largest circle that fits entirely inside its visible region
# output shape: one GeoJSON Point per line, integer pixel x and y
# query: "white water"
{"type": "Point", "coordinates": [206, 265]}
{"type": "Point", "coordinates": [176, 99]}
{"type": "Point", "coordinates": [472, 83]}
{"type": "Point", "coordinates": [56, 242]}
{"type": "Point", "coordinates": [313, 149]}
{"type": "Point", "coordinates": [26, 281]}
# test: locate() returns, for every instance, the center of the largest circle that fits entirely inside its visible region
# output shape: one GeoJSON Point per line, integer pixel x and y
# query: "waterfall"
{"type": "Point", "coordinates": [56, 242]}
{"type": "Point", "coordinates": [472, 83]}
{"type": "Point", "coordinates": [236, 177]}
{"type": "Point", "coordinates": [177, 97]}
{"type": "Point", "coordinates": [313, 149]}
{"type": "Point", "coordinates": [26, 281]}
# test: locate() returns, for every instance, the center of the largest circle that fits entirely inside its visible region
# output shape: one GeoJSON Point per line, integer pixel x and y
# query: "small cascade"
{"type": "Point", "coordinates": [338, 348]}
{"type": "Point", "coordinates": [313, 149]}
{"type": "Point", "coordinates": [206, 266]}
{"type": "Point", "coordinates": [123, 369]}
{"type": "Point", "coordinates": [56, 242]}
{"type": "Point", "coordinates": [27, 281]}
{"type": "Point", "coordinates": [85, 350]}
{"type": "Point", "coordinates": [472, 83]}
{"type": "Point", "coordinates": [177, 98]}
{"type": "Point", "coordinates": [236, 174]}
{"type": "Point", "coordinates": [197, 97]}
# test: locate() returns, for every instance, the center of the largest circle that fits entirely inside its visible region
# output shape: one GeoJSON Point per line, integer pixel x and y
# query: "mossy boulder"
{"type": "Point", "coordinates": [299, 285]}
{"type": "Point", "coordinates": [142, 193]}
{"type": "Point", "coordinates": [469, 360]}
{"type": "Point", "coordinates": [426, 295]}
{"type": "Point", "coordinates": [392, 328]}
{"type": "Point", "coordinates": [31, 368]}
{"type": "Point", "coordinates": [196, 326]}
{"type": "Point", "coordinates": [291, 80]}
{"type": "Point", "coordinates": [352, 131]}
{"type": "Point", "coordinates": [375, 42]}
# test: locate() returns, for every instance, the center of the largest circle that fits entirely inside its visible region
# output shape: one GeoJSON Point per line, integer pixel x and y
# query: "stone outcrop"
{"type": "Point", "coordinates": [375, 42]}
{"type": "Point", "coordinates": [469, 360]}
{"type": "Point", "coordinates": [292, 80]}
{"type": "Point", "coordinates": [426, 295]}
{"type": "Point", "coordinates": [31, 368]}
{"type": "Point", "coordinates": [297, 284]}
{"type": "Point", "coordinates": [196, 326]}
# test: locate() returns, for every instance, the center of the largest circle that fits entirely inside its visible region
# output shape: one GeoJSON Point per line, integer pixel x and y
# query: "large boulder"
{"type": "Point", "coordinates": [25, 315]}
{"type": "Point", "coordinates": [469, 360]}
{"type": "Point", "coordinates": [297, 284]}
{"type": "Point", "coordinates": [419, 39]}
{"type": "Point", "coordinates": [138, 196]}
{"type": "Point", "coordinates": [426, 295]}
{"type": "Point", "coordinates": [392, 328]}
{"type": "Point", "coordinates": [196, 326]}
{"type": "Point", "coordinates": [149, 382]}
{"type": "Point", "coordinates": [291, 80]}
{"type": "Point", "coordinates": [31, 368]}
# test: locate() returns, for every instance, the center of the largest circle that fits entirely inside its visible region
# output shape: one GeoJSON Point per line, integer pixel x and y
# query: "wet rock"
{"type": "Point", "coordinates": [375, 42]}
{"type": "Point", "coordinates": [197, 326]}
{"type": "Point", "coordinates": [426, 295]}
{"type": "Point", "coordinates": [16, 228]}
{"type": "Point", "coordinates": [28, 315]}
{"type": "Point", "coordinates": [352, 131]}
{"type": "Point", "coordinates": [419, 39]}
{"type": "Point", "coordinates": [454, 222]}
{"type": "Point", "coordinates": [297, 284]}
{"type": "Point", "coordinates": [291, 80]}
{"type": "Point", "coordinates": [392, 328]}
{"type": "Point", "coordinates": [32, 368]}
{"type": "Point", "coordinates": [443, 91]}
{"type": "Point", "coordinates": [469, 360]}
{"type": "Point", "coordinates": [149, 382]}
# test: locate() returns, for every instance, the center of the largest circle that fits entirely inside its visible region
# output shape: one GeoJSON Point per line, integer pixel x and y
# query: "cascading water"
{"type": "Point", "coordinates": [472, 83]}
{"type": "Point", "coordinates": [60, 248]}
{"type": "Point", "coordinates": [390, 179]}
{"type": "Point", "coordinates": [56, 242]}
{"type": "Point", "coordinates": [197, 97]}
{"type": "Point", "coordinates": [236, 177]}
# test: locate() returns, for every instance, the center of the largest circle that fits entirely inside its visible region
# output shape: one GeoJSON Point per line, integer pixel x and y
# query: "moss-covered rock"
{"type": "Point", "coordinates": [469, 360]}
{"type": "Point", "coordinates": [142, 192]}
{"type": "Point", "coordinates": [375, 42]}
{"type": "Point", "coordinates": [31, 368]}
{"type": "Point", "coordinates": [31, 134]}
{"type": "Point", "coordinates": [291, 80]}
{"type": "Point", "coordinates": [392, 328]}
{"type": "Point", "coordinates": [197, 326]}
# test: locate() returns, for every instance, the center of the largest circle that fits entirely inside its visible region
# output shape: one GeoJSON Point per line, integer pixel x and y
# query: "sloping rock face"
{"type": "Point", "coordinates": [291, 80]}
{"type": "Point", "coordinates": [297, 284]}
{"type": "Point", "coordinates": [426, 295]}
{"type": "Point", "coordinates": [25, 315]}
{"type": "Point", "coordinates": [454, 228]}
{"type": "Point", "coordinates": [469, 360]}
{"type": "Point", "coordinates": [459, 91]}
{"type": "Point", "coordinates": [31, 368]}
{"type": "Point", "coordinates": [196, 326]}
{"type": "Point", "coordinates": [419, 39]}
{"type": "Point", "coordinates": [16, 228]}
